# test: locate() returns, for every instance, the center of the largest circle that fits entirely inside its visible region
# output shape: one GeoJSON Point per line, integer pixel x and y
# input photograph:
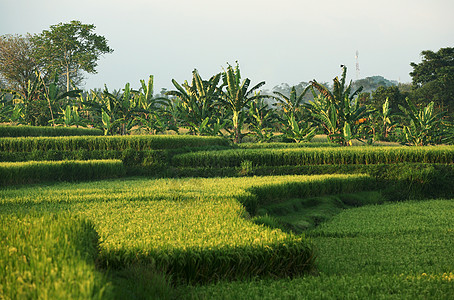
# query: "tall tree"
{"type": "Point", "coordinates": [433, 79]}
{"type": "Point", "coordinates": [393, 94]}
{"type": "Point", "coordinates": [69, 48]}
{"type": "Point", "coordinates": [17, 64]}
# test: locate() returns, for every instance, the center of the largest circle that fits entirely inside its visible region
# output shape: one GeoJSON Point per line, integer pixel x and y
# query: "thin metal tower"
{"type": "Point", "coordinates": [357, 64]}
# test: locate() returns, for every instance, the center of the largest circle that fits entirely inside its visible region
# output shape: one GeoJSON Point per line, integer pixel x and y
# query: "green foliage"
{"type": "Point", "coordinates": [69, 48]}
{"type": "Point", "coordinates": [291, 104]}
{"type": "Point", "coordinates": [425, 125]}
{"type": "Point", "coordinates": [299, 131]}
{"type": "Point", "coordinates": [295, 115]}
{"type": "Point", "coordinates": [394, 94]}
{"type": "Point", "coordinates": [118, 112]}
{"type": "Point", "coordinates": [261, 120]}
{"type": "Point", "coordinates": [382, 122]}
{"type": "Point", "coordinates": [237, 96]}
{"type": "Point", "coordinates": [433, 80]}
{"type": "Point", "coordinates": [30, 104]}
{"type": "Point", "coordinates": [199, 104]}
{"type": "Point", "coordinates": [70, 117]}
{"type": "Point", "coordinates": [338, 112]}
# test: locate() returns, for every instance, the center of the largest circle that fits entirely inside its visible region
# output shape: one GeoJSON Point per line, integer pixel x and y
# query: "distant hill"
{"type": "Point", "coordinates": [369, 84]}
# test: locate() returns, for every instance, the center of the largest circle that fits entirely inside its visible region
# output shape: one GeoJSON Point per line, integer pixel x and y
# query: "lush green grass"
{"type": "Point", "coordinates": [391, 251]}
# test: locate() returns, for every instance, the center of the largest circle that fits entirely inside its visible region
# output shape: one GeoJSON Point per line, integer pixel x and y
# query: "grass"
{"type": "Point", "coordinates": [391, 251]}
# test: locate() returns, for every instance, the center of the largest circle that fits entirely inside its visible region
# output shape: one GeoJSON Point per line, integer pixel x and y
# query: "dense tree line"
{"type": "Point", "coordinates": [40, 76]}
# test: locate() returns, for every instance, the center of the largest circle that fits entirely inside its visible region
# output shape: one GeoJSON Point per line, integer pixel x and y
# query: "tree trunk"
{"type": "Point", "coordinates": [236, 127]}
{"type": "Point", "coordinates": [67, 78]}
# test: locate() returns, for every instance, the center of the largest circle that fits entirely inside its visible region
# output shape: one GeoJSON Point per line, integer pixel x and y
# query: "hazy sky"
{"type": "Point", "coordinates": [275, 41]}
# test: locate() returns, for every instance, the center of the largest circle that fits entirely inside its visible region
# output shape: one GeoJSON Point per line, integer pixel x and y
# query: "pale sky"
{"type": "Point", "coordinates": [274, 41]}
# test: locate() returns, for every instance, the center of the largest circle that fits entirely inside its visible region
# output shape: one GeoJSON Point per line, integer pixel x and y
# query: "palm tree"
{"type": "Point", "coordinates": [237, 96]}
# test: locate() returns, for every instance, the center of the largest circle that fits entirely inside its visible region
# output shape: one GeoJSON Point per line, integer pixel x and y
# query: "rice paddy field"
{"type": "Point", "coordinates": [214, 221]}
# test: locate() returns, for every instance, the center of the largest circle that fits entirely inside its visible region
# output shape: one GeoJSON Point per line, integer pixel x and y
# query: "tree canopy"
{"type": "Point", "coordinates": [69, 48]}
{"type": "Point", "coordinates": [433, 79]}
{"type": "Point", "coordinates": [17, 64]}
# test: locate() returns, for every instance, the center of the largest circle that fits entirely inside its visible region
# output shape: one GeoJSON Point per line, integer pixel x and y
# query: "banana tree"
{"type": "Point", "coordinates": [55, 95]}
{"type": "Point", "coordinates": [291, 104]}
{"type": "Point", "coordinates": [150, 110]}
{"type": "Point", "coordinates": [299, 131]}
{"type": "Point", "coordinates": [261, 121]}
{"type": "Point", "coordinates": [198, 102]}
{"type": "Point", "coordinates": [6, 107]}
{"type": "Point", "coordinates": [424, 124]}
{"type": "Point", "coordinates": [237, 96]}
{"type": "Point", "coordinates": [106, 110]}
{"type": "Point", "coordinates": [326, 115]}
{"type": "Point", "coordinates": [70, 117]}
{"type": "Point", "coordinates": [382, 121]}
{"type": "Point", "coordinates": [126, 108]}
{"type": "Point", "coordinates": [30, 102]}
{"type": "Point", "coordinates": [145, 99]}
{"type": "Point", "coordinates": [338, 111]}
{"type": "Point", "coordinates": [294, 115]}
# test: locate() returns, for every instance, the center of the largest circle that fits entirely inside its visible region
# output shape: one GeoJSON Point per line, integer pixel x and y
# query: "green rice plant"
{"type": "Point", "coordinates": [33, 171]}
{"type": "Point", "coordinates": [107, 143]}
{"type": "Point", "coordinates": [30, 131]}
{"type": "Point", "coordinates": [276, 145]}
{"type": "Point", "coordinates": [195, 229]}
{"type": "Point", "coordinates": [392, 251]}
{"type": "Point", "coordinates": [300, 214]}
{"type": "Point", "coordinates": [49, 256]}
{"type": "Point", "coordinates": [52, 155]}
{"type": "Point", "coordinates": [315, 156]}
